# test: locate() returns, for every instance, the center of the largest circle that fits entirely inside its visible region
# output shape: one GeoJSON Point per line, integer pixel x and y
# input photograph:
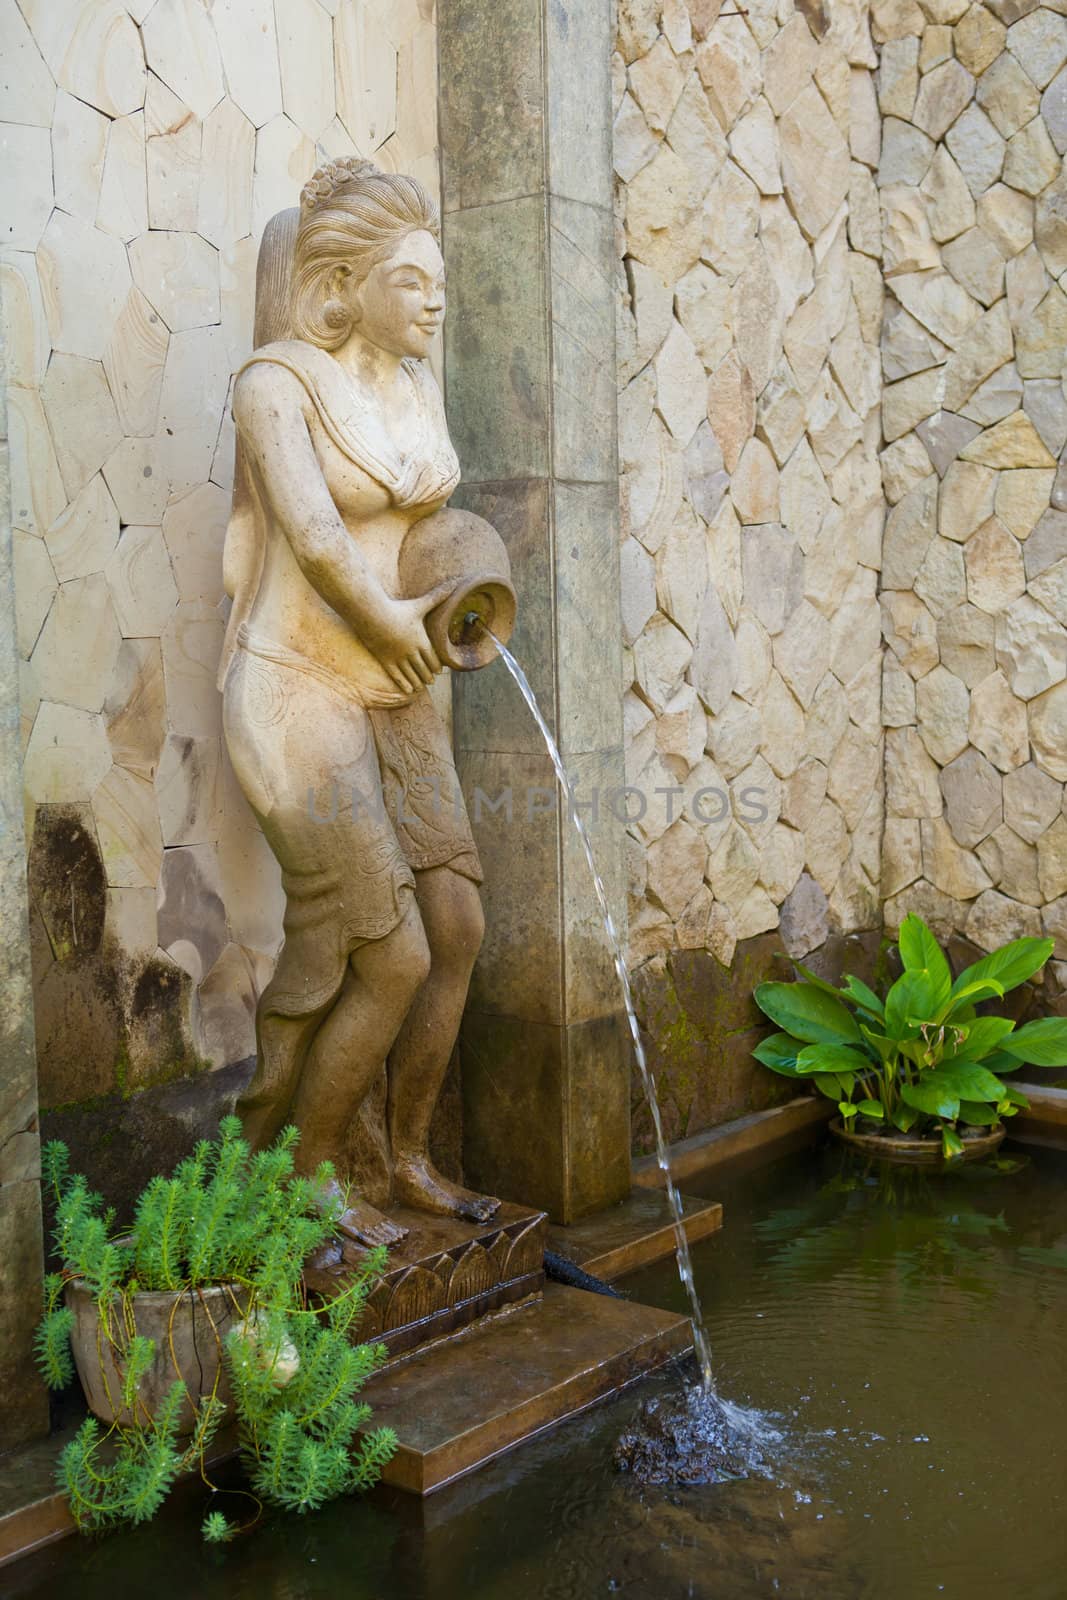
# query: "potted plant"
{"type": "Point", "coordinates": [916, 1076]}
{"type": "Point", "coordinates": [196, 1312]}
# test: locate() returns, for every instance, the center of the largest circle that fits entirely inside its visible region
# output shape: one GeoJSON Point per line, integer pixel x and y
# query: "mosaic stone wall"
{"type": "Point", "coordinates": [974, 577]}
{"type": "Point", "coordinates": [750, 312]}
{"type": "Point", "coordinates": [145, 146]}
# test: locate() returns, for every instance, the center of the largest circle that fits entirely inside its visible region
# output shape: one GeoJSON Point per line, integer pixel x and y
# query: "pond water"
{"type": "Point", "coordinates": [904, 1335]}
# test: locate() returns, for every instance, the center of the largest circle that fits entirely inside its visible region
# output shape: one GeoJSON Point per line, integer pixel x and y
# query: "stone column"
{"type": "Point", "coordinates": [531, 389]}
{"type": "Point", "coordinates": [23, 1400]}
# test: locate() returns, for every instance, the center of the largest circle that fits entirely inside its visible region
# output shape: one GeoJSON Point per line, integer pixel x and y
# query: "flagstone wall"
{"type": "Point", "coordinates": [750, 311]}
{"type": "Point", "coordinates": [974, 567]}
{"type": "Point", "coordinates": [145, 146]}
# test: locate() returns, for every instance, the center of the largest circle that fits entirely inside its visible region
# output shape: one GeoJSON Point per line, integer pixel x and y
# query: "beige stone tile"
{"type": "Point", "coordinates": [285, 159]}
{"type": "Point", "coordinates": [67, 754]}
{"type": "Point", "coordinates": [224, 202]}
{"type": "Point", "coordinates": [178, 273]}
{"type": "Point", "coordinates": [37, 493]}
{"type": "Point", "coordinates": [248, 41]}
{"type": "Point", "coordinates": [93, 49]}
{"type": "Point", "coordinates": [180, 47]}
{"type": "Point", "coordinates": [35, 589]}
{"type": "Point", "coordinates": [81, 417]}
{"type": "Point", "coordinates": [127, 825]}
{"type": "Point", "coordinates": [187, 790]}
{"type": "Point", "coordinates": [195, 385]}
{"type": "Point", "coordinates": [141, 583]}
{"type": "Point", "coordinates": [85, 278]}
{"type": "Point", "coordinates": [134, 362]}
{"type": "Point", "coordinates": [29, 702]}
{"type": "Point", "coordinates": [26, 153]}
{"type": "Point", "coordinates": [416, 105]}
{"type": "Point", "coordinates": [83, 538]}
{"type": "Point", "coordinates": [137, 475]}
{"type": "Point", "coordinates": [305, 54]}
{"type": "Point", "coordinates": [366, 76]}
{"type": "Point", "coordinates": [135, 709]}
{"type": "Point", "coordinates": [222, 463]}
{"type": "Point", "coordinates": [192, 643]}
{"type": "Point", "coordinates": [173, 137]}
{"type": "Point", "coordinates": [123, 208]}
{"type": "Point", "coordinates": [130, 919]}
{"type": "Point", "coordinates": [29, 88]}
{"type": "Point", "coordinates": [237, 278]}
{"type": "Point", "coordinates": [27, 345]}
{"type": "Point", "coordinates": [224, 1016]}
{"type": "Point", "coordinates": [75, 657]}
{"type": "Point", "coordinates": [79, 141]}
{"type": "Point", "coordinates": [194, 527]}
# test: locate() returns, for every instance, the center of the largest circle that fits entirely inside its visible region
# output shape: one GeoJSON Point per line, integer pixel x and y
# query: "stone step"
{"type": "Point", "coordinates": [463, 1402]}
{"type": "Point", "coordinates": [445, 1275]}
{"type": "Point", "coordinates": [637, 1231]}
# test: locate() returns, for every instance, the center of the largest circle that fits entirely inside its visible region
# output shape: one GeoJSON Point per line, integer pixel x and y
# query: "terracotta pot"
{"type": "Point", "coordinates": [924, 1151]}
{"type": "Point", "coordinates": [465, 552]}
{"type": "Point", "coordinates": [188, 1330]}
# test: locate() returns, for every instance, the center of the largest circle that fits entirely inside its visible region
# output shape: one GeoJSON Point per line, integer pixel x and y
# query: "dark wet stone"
{"type": "Point", "coordinates": [685, 1438]}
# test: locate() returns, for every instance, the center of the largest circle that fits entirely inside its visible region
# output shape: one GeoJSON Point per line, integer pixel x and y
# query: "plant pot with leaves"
{"type": "Point", "coordinates": [195, 1314]}
{"type": "Point", "coordinates": [918, 1075]}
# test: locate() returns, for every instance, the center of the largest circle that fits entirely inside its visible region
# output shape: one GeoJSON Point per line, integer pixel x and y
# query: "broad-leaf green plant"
{"type": "Point", "coordinates": [246, 1222]}
{"type": "Point", "coordinates": [922, 1060]}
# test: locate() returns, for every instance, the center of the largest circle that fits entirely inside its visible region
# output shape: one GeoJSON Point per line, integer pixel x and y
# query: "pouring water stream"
{"type": "Point", "coordinates": [701, 1345]}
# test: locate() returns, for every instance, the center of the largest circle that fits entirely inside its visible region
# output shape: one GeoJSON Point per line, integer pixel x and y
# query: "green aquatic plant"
{"type": "Point", "coordinates": [243, 1222]}
{"type": "Point", "coordinates": [922, 1059]}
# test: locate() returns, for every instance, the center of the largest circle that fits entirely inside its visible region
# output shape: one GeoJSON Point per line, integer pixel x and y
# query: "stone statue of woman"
{"type": "Point", "coordinates": [342, 448]}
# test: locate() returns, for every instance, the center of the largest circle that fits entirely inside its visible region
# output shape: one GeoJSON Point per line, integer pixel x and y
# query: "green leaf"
{"type": "Point", "coordinates": [814, 979]}
{"type": "Point", "coordinates": [871, 1108]}
{"type": "Point", "coordinates": [807, 1012]}
{"type": "Point", "coordinates": [968, 1079]}
{"type": "Point", "coordinates": [1000, 1062]}
{"type": "Point", "coordinates": [847, 1109]}
{"type": "Point", "coordinates": [978, 1113]}
{"type": "Point", "coordinates": [834, 1085]}
{"type": "Point", "coordinates": [882, 1046]}
{"type": "Point", "coordinates": [951, 1144]}
{"type": "Point", "coordinates": [904, 1118]}
{"type": "Point", "coordinates": [916, 997]}
{"type": "Point", "coordinates": [966, 999]}
{"type": "Point", "coordinates": [866, 999]}
{"type": "Point", "coordinates": [1040, 1044]}
{"type": "Point", "coordinates": [831, 1058]}
{"type": "Point", "coordinates": [1009, 966]}
{"type": "Point", "coordinates": [983, 1035]}
{"type": "Point", "coordinates": [920, 952]}
{"type": "Point", "coordinates": [779, 1052]}
{"type": "Point", "coordinates": [936, 1099]}
{"type": "Point", "coordinates": [1016, 1097]}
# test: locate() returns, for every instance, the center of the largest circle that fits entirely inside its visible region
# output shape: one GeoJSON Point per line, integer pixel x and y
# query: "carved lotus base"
{"type": "Point", "coordinates": [444, 1275]}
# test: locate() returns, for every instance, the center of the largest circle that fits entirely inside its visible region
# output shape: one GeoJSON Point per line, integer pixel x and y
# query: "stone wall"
{"type": "Point", "coordinates": [750, 313]}
{"type": "Point", "coordinates": [974, 578]}
{"type": "Point", "coordinates": [146, 145]}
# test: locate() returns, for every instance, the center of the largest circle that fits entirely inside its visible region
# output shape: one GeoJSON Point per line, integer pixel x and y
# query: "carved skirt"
{"type": "Point", "coordinates": [353, 801]}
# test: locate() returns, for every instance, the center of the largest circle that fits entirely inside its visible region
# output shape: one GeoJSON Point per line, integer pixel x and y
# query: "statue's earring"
{"type": "Point", "coordinates": [336, 315]}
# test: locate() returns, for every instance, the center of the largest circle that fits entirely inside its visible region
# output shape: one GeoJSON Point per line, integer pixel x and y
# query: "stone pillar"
{"type": "Point", "coordinates": [531, 391]}
{"type": "Point", "coordinates": [23, 1400]}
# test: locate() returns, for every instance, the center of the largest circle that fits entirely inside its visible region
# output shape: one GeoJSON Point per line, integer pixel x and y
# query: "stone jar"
{"type": "Point", "coordinates": [463, 551]}
{"type": "Point", "coordinates": [188, 1329]}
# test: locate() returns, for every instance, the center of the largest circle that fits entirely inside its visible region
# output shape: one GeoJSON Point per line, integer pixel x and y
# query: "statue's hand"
{"type": "Point", "coordinates": [402, 646]}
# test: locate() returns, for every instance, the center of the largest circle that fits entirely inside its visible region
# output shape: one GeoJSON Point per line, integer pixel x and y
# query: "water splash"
{"type": "Point", "coordinates": [701, 1345]}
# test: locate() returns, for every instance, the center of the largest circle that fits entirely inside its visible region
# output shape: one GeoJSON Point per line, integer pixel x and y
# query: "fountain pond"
{"type": "Point", "coordinates": [899, 1344]}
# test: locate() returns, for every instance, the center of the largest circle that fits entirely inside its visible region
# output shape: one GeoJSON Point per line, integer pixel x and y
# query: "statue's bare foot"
{"type": "Point", "coordinates": [418, 1183]}
{"type": "Point", "coordinates": [363, 1224]}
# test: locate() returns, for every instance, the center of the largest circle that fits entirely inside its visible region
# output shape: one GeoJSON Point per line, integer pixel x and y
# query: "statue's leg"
{"type": "Point", "coordinates": [452, 917]}
{"type": "Point", "coordinates": [384, 975]}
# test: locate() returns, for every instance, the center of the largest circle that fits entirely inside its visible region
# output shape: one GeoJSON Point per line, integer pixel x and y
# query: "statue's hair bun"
{"type": "Point", "coordinates": [326, 180]}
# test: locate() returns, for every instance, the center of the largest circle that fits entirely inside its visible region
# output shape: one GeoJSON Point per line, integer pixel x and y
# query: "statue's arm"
{"type": "Point", "coordinates": [268, 409]}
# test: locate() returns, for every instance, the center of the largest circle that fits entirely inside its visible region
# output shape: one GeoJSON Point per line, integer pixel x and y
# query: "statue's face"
{"type": "Point", "coordinates": [400, 304]}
